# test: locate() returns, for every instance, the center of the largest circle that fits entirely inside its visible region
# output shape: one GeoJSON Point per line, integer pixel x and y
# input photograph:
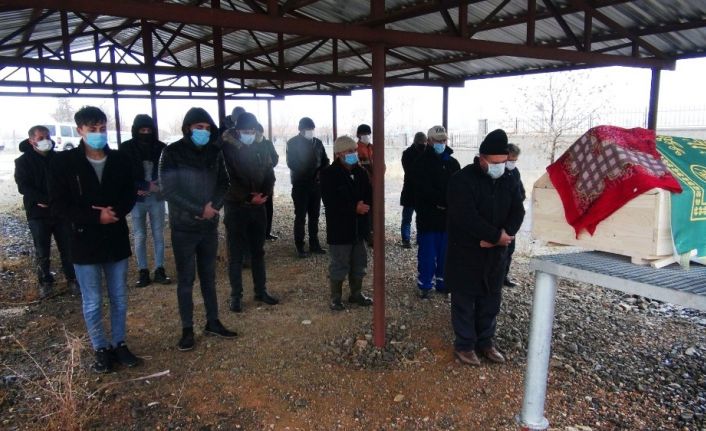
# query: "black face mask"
{"type": "Point", "coordinates": [144, 137]}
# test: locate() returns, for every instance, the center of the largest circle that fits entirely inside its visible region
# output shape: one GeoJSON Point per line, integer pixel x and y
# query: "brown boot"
{"type": "Point", "coordinates": [468, 358]}
{"type": "Point", "coordinates": [493, 355]}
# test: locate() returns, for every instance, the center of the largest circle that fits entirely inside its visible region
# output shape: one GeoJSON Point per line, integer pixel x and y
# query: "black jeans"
{"type": "Point", "coordinates": [307, 202]}
{"type": "Point", "coordinates": [195, 252]}
{"type": "Point", "coordinates": [42, 231]}
{"type": "Point", "coordinates": [245, 230]}
{"type": "Point", "coordinates": [269, 206]}
{"type": "Point", "coordinates": [510, 251]}
{"type": "Point", "coordinates": [474, 319]}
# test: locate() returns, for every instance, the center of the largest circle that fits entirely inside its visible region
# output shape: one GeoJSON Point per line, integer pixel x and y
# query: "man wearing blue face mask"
{"type": "Point", "coordinates": [430, 175]}
{"type": "Point", "coordinates": [485, 212]}
{"type": "Point", "coordinates": [252, 181]}
{"type": "Point", "coordinates": [92, 187]}
{"type": "Point", "coordinates": [347, 195]}
{"type": "Point", "coordinates": [194, 181]}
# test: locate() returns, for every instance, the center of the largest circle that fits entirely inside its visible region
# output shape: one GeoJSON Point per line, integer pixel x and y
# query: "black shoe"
{"type": "Point", "coordinates": [301, 254]}
{"type": "Point", "coordinates": [104, 361]}
{"type": "Point", "coordinates": [73, 287]}
{"type": "Point", "coordinates": [46, 290]}
{"type": "Point", "coordinates": [317, 249]}
{"type": "Point", "coordinates": [186, 342]}
{"type": "Point", "coordinates": [361, 300]}
{"type": "Point", "coordinates": [424, 293]}
{"type": "Point", "coordinates": [271, 237]}
{"type": "Point", "coordinates": [236, 305]}
{"type": "Point", "coordinates": [406, 244]}
{"type": "Point", "coordinates": [267, 299]}
{"type": "Point", "coordinates": [337, 306]}
{"type": "Point", "coordinates": [161, 277]}
{"type": "Point", "coordinates": [216, 328]}
{"type": "Point", "coordinates": [509, 283]}
{"type": "Point", "coordinates": [125, 357]}
{"type": "Point", "coordinates": [144, 279]}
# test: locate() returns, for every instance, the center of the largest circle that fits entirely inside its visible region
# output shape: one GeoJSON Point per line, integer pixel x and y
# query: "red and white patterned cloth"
{"type": "Point", "coordinates": [603, 170]}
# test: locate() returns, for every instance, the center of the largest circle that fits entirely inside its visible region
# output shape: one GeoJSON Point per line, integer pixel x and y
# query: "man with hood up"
{"type": "Point", "coordinates": [144, 150]}
{"type": "Point", "coordinates": [194, 182]}
{"type": "Point", "coordinates": [485, 212]}
{"type": "Point", "coordinates": [252, 181]}
{"type": "Point", "coordinates": [31, 178]}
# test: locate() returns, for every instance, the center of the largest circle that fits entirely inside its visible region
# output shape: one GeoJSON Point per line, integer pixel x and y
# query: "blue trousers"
{"type": "Point", "coordinates": [155, 209]}
{"type": "Point", "coordinates": [431, 258]}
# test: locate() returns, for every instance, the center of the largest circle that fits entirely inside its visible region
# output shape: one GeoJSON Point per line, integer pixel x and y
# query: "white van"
{"type": "Point", "coordinates": [65, 135]}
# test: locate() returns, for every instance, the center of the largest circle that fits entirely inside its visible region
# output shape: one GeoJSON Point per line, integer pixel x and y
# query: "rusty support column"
{"type": "Point", "coordinates": [379, 195]}
{"type": "Point", "coordinates": [445, 107]}
{"type": "Point", "coordinates": [334, 115]}
{"type": "Point", "coordinates": [66, 45]}
{"type": "Point", "coordinates": [463, 19]}
{"type": "Point", "coordinates": [148, 54]}
{"type": "Point", "coordinates": [654, 100]}
{"type": "Point", "coordinates": [218, 65]}
{"type": "Point", "coordinates": [269, 120]}
{"type": "Point", "coordinates": [531, 14]}
{"type": "Point", "coordinates": [116, 102]}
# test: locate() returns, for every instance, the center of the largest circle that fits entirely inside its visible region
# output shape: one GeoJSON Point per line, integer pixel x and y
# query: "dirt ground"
{"type": "Point", "coordinates": [299, 366]}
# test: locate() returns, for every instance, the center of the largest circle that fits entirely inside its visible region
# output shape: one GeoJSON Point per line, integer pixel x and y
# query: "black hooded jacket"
{"type": "Point", "coordinates": [409, 156]}
{"type": "Point", "coordinates": [140, 151]}
{"type": "Point", "coordinates": [191, 176]}
{"type": "Point", "coordinates": [74, 191]}
{"type": "Point", "coordinates": [31, 178]}
{"type": "Point", "coordinates": [430, 178]}
{"type": "Point", "coordinates": [479, 207]}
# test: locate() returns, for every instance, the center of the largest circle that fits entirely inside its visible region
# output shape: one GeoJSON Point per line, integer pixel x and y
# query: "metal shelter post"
{"type": "Point", "coordinates": [334, 115]}
{"type": "Point", "coordinates": [379, 195]}
{"type": "Point", "coordinates": [116, 102]}
{"type": "Point", "coordinates": [445, 107]}
{"type": "Point", "coordinates": [654, 99]}
{"type": "Point", "coordinates": [269, 120]}
{"type": "Point", "coordinates": [540, 342]}
{"type": "Point", "coordinates": [218, 64]}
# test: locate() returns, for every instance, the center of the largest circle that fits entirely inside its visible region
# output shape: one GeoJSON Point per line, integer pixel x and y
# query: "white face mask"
{"type": "Point", "coordinates": [510, 165]}
{"type": "Point", "coordinates": [365, 139]}
{"type": "Point", "coordinates": [44, 145]}
{"type": "Point", "coordinates": [309, 134]}
{"type": "Point", "coordinates": [496, 170]}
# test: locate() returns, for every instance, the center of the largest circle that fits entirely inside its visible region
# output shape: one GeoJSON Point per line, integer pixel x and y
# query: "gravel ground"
{"type": "Point", "coordinates": [618, 362]}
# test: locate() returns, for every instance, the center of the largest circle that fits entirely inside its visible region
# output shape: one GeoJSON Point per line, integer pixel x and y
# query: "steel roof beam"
{"type": "Point", "coordinates": [564, 26]}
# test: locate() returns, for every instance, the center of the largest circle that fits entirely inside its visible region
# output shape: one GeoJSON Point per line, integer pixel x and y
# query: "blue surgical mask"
{"type": "Point", "coordinates": [247, 139]}
{"type": "Point", "coordinates": [496, 170]}
{"type": "Point", "coordinates": [97, 141]}
{"type": "Point", "coordinates": [439, 147]}
{"type": "Point", "coordinates": [200, 137]}
{"type": "Point", "coordinates": [350, 159]}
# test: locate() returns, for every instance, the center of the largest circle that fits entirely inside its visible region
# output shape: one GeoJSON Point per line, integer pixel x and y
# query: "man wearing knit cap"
{"type": "Point", "coordinates": [194, 182]}
{"type": "Point", "coordinates": [430, 176]}
{"type": "Point", "coordinates": [306, 158]}
{"type": "Point", "coordinates": [347, 195]}
{"type": "Point", "coordinates": [252, 181]}
{"type": "Point", "coordinates": [144, 150]}
{"type": "Point", "coordinates": [365, 148]}
{"type": "Point", "coordinates": [485, 212]}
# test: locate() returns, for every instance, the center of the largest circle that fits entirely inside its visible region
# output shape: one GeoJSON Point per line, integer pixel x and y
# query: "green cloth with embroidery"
{"type": "Point", "coordinates": [686, 159]}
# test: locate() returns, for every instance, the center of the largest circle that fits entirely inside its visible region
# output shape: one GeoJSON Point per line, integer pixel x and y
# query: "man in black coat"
{"type": "Point", "coordinates": [269, 147]}
{"type": "Point", "coordinates": [347, 195]}
{"type": "Point", "coordinates": [31, 179]}
{"type": "Point", "coordinates": [91, 187]}
{"type": "Point", "coordinates": [430, 176]}
{"type": "Point", "coordinates": [252, 181]}
{"type": "Point", "coordinates": [513, 153]}
{"type": "Point", "coordinates": [485, 212]}
{"type": "Point", "coordinates": [194, 181]}
{"type": "Point", "coordinates": [306, 158]}
{"type": "Point", "coordinates": [144, 150]}
{"type": "Point", "coordinates": [409, 156]}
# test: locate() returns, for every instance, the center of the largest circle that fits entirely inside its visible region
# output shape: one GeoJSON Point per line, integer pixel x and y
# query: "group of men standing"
{"type": "Point", "coordinates": [83, 196]}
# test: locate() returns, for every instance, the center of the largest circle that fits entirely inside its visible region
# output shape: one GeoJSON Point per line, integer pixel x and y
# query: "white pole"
{"type": "Point", "coordinates": [540, 340]}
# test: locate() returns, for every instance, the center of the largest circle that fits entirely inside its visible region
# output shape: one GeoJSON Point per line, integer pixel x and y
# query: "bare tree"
{"type": "Point", "coordinates": [64, 112]}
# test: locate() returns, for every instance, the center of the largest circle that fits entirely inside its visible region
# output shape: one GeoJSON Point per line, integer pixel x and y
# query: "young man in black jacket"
{"type": "Point", "coordinates": [144, 150]}
{"type": "Point", "coordinates": [306, 158]}
{"type": "Point", "coordinates": [252, 181]}
{"type": "Point", "coordinates": [270, 149]}
{"type": "Point", "coordinates": [430, 176]}
{"type": "Point", "coordinates": [91, 187]}
{"type": "Point", "coordinates": [347, 195]}
{"type": "Point", "coordinates": [31, 179]}
{"type": "Point", "coordinates": [194, 181]}
{"type": "Point", "coordinates": [409, 156]}
{"type": "Point", "coordinates": [485, 212]}
{"type": "Point", "coordinates": [513, 153]}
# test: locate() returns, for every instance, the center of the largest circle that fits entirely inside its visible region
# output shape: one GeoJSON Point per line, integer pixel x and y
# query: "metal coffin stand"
{"type": "Point", "coordinates": [672, 284]}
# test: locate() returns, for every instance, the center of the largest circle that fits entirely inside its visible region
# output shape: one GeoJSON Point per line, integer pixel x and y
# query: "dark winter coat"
{"type": "Point", "coordinates": [306, 159]}
{"type": "Point", "coordinates": [515, 174]}
{"type": "Point", "coordinates": [139, 151]}
{"type": "Point", "coordinates": [250, 168]}
{"type": "Point", "coordinates": [409, 156]}
{"type": "Point", "coordinates": [479, 207]}
{"type": "Point", "coordinates": [430, 178]}
{"type": "Point", "coordinates": [341, 190]}
{"type": "Point", "coordinates": [31, 178]}
{"type": "Point", "coordinates": [73, 191]}
{"type": "Point", "coordinates": [270, 148]}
